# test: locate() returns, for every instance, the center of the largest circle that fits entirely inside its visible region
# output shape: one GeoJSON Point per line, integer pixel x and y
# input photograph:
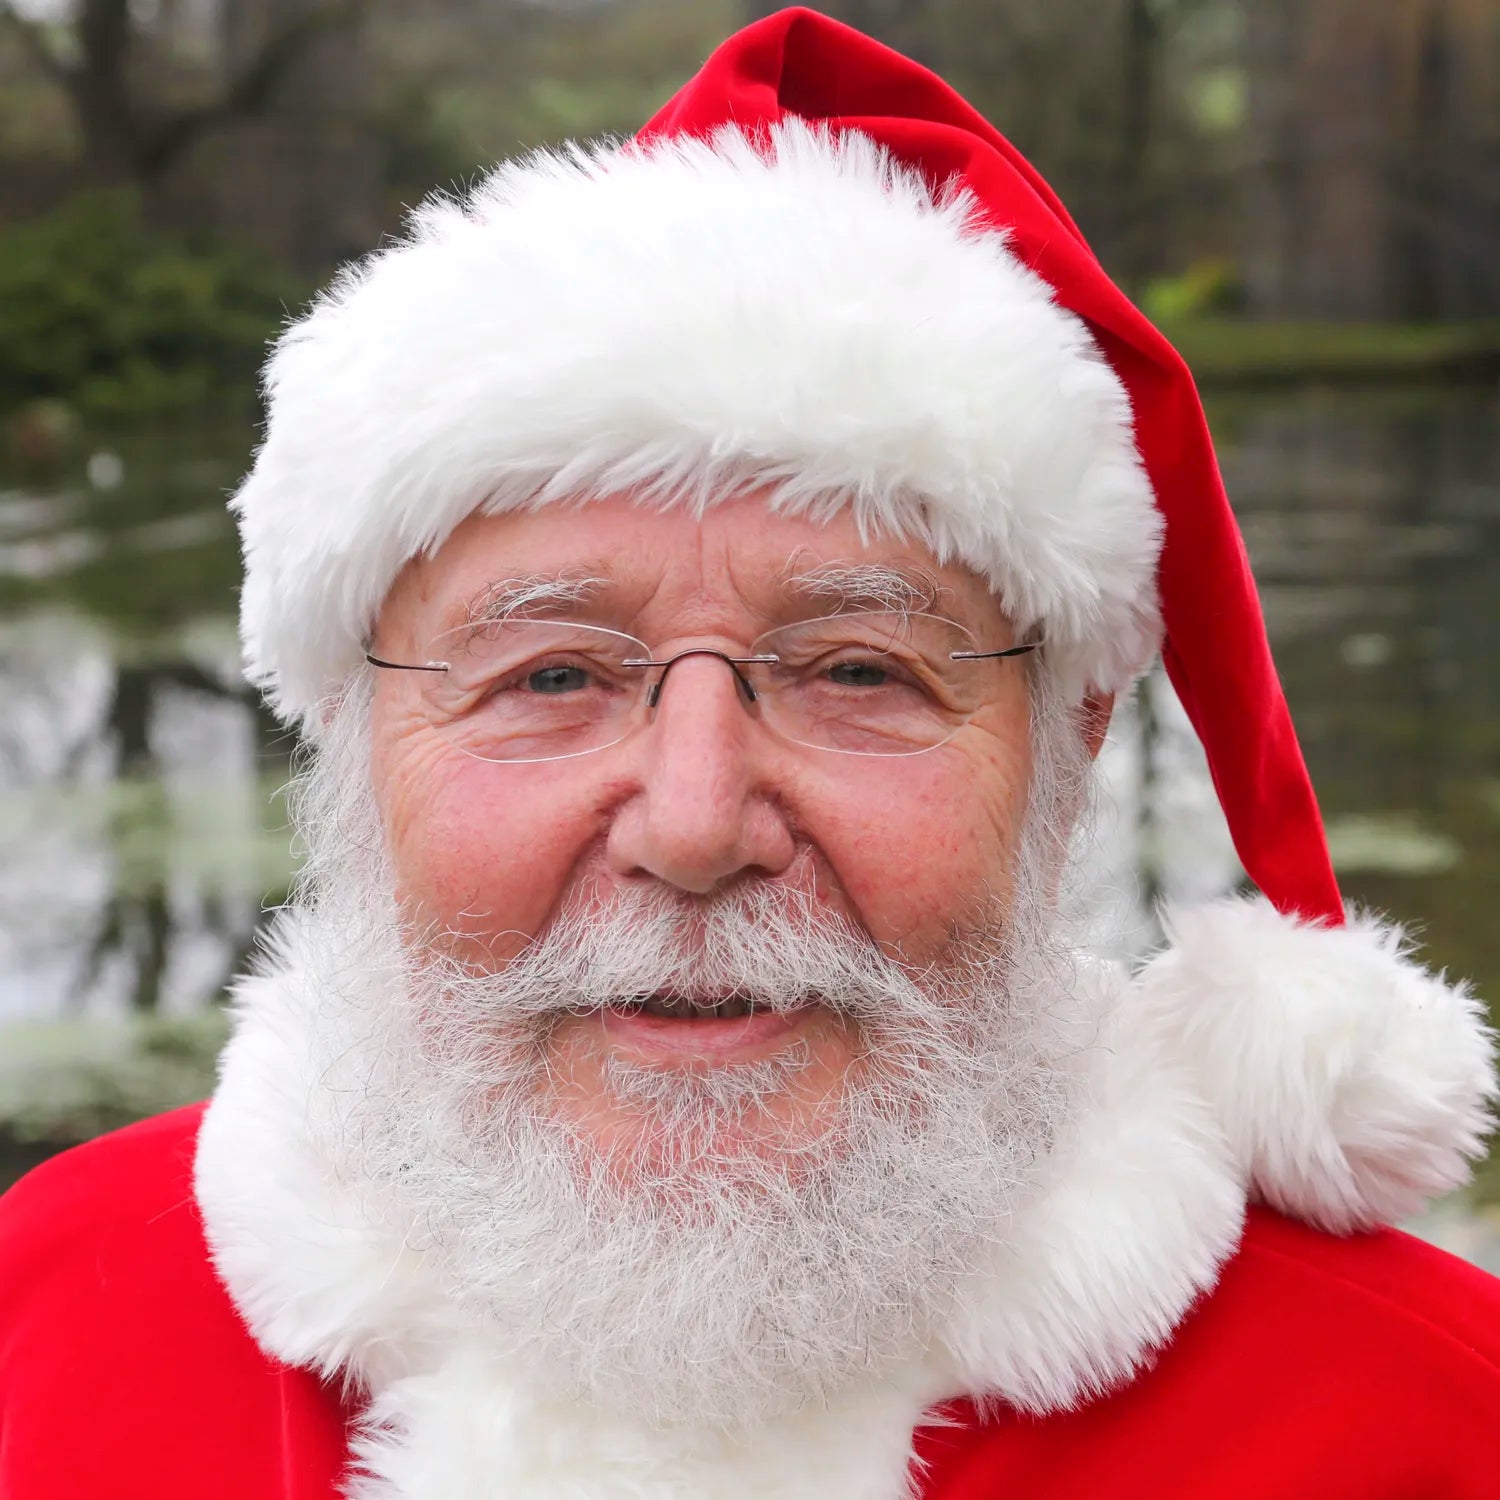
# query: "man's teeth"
{"type": "Point", "coordinates": [677, 1008]}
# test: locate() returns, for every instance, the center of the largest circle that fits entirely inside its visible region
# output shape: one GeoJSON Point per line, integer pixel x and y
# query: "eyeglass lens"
{"type": "Point", "coordinates": [868, 683]}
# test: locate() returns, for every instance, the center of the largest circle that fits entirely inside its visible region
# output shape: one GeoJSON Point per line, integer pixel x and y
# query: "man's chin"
{"type": "Point", "coordinates": [677, 1143]}
{"type": "Point", "coordinates": [654, 1094]}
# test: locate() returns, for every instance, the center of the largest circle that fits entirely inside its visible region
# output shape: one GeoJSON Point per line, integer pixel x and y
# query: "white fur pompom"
{"type": "Point", "coordinates": [1353, 1084]}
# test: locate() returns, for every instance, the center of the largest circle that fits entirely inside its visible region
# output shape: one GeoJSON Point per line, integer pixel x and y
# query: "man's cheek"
{"type": "Point", "coordinates": [949, 852]}
{"type": "Point", "coordinates": [908, 882]}
{"type": "Point", "coordinates": [483, 864]}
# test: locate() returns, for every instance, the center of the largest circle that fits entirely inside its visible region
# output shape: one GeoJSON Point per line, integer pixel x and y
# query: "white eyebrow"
{"type": "Point", "coordinates": [535, 593]}
{"type": "Point", "coordinates": [868, 586]}
{"type": "Point", "coordinates": [843, 586]}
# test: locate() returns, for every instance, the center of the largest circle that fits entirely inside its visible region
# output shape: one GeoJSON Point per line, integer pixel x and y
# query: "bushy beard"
{"type": "Point", "coordinates": [711, 1281]}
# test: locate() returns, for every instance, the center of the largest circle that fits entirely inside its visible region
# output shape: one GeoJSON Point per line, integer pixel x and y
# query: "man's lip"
{"type": "Point", "coordinates": [702, 1039]}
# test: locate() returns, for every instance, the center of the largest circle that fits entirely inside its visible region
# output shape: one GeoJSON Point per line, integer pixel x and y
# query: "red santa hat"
{"type": "Point", "coordinates": [818, 272]}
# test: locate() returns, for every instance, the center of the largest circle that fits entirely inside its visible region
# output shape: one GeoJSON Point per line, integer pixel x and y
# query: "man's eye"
{"type": "Point", "coordinates": [858, 674]}
{"type": "Point", "coordinates": [560, 679]}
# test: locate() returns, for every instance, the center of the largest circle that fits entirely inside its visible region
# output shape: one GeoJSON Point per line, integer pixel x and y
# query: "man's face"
{"type": "Point", "coordinates": [704, 802]}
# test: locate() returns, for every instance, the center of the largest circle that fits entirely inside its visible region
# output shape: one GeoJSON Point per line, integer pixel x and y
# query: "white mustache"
{"type": "Point", "coordinates": [766, 944]}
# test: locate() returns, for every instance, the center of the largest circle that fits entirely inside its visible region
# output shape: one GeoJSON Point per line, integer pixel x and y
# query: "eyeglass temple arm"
{"type": "Point", "coordinates": [990, 655]}
{"type": "Point", "coordinates": [406, 666]}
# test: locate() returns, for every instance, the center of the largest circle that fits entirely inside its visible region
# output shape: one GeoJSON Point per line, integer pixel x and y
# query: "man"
{"type": "Point", "coordinates": [702, 572]}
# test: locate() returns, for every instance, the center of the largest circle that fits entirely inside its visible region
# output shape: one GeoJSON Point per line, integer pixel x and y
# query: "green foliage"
{"type": "Point", "coordinates": [68, 1081]}
{"type": "Point", "coordinates": [122, 321]}
{"type": "Point", "coordinates": [1206, 287]}
{"type": "Point", "coordinates": [1228, 352]}
{"type": "Point", "coordinates": [529, 76]}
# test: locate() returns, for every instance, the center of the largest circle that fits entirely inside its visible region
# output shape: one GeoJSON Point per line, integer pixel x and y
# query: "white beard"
{"type": "Point", "coordinates": [731, 1285]}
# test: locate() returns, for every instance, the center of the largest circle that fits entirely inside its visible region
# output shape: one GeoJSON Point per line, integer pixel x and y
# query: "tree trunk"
{"type": "Point", "coordinates": [1375, 178]}
{"type": "Point", "coordinates": [1133, 253]}
{"type": "Point", "coordinates": [100, 86]}
{"type": "Point", "coordinates": [301, 179]}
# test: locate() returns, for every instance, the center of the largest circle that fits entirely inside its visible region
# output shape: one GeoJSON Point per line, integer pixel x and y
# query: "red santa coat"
{"type": "Point", "coordinates": [1364, 1367]}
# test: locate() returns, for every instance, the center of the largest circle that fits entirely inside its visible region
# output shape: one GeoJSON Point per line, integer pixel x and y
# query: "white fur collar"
{"type": "Point", "coordinates": [1140, 1209]}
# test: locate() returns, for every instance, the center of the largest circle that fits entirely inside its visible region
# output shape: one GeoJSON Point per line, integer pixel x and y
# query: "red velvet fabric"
{"type": "Point", "coordinates": [125, 1371]}
{"type": "Point", "coordinates": [1358, 1369]}
{"type": "Point", "coordinates": [798, 63]}
{"type": "Point", "coordinates": [1361, 1369]}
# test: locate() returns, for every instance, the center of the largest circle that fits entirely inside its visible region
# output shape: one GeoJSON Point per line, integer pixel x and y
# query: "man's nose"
{"type": "Point", "coordinates": [704, 809]}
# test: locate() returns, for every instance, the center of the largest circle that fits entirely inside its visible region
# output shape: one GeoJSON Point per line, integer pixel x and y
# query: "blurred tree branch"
{"type": "Point", "coordinates": [124, 139]}
{"type": "Point", "coordinates": [250, 89]}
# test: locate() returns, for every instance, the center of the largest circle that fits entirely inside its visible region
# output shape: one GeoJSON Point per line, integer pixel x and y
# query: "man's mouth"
{"type": "Point", "coordinates": [689, 1008]}
{"type": "Point", "coordinates": [671, 1028]}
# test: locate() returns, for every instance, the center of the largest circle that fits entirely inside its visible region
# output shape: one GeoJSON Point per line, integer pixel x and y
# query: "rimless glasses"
{"type": "Point", "coordinates": [880, 682]}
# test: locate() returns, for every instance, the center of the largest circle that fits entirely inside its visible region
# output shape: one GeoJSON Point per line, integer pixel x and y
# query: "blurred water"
{"type": "Point", "coordinates": [137, 844]}
{"type": "Point", "coordinates": [140, 838]}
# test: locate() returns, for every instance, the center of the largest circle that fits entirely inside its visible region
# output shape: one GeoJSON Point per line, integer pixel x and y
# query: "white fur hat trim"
{"type": "Point", "coordinates": [683, 321]}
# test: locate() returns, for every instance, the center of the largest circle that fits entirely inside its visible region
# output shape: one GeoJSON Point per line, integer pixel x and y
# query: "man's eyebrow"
{"type": "Point", "coordinates": [834, 587]}
{"type": "Point", "coordinates": [531, 594]}
{"type": "Point", "coordinates": [867, 586]}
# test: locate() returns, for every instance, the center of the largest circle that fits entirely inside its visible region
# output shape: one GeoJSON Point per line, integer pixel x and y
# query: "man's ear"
{"type": "Point", "coordinates": [1093, 720]}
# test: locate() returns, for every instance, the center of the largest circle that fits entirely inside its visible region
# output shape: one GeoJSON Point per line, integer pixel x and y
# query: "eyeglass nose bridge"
{"type": "Point", "coordinates": [734, 663]}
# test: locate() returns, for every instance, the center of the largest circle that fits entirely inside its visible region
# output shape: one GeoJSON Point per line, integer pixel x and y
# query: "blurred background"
{"type": "Point", "coordinates": [1304, 193]}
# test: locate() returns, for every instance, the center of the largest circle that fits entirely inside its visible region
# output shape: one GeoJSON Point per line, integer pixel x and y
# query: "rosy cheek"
{"type": "Point", "coordinates": [946, 841]}
{"type": "Point", "coordinates": [488, 851]}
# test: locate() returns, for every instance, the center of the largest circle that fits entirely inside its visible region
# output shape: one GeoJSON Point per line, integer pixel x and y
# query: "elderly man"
{"type": "Point", "coordinates": [702, 571]}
